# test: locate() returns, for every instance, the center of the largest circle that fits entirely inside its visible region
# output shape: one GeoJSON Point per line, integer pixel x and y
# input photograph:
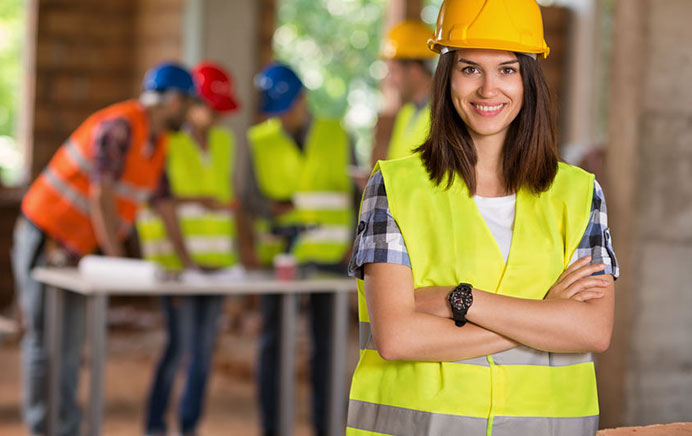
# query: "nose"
{"type": "Point", "coordinates": [488, 87]}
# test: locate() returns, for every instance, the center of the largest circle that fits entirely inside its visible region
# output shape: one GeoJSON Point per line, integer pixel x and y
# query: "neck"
{"type": "Point", "coordinates": [157, 124]}
{"type": "Point", "coordinates": [200, 135]}
{"type": "Point", "coordinates": [489, 177]}
{"type": "Point", "coordinates": [422, 93]}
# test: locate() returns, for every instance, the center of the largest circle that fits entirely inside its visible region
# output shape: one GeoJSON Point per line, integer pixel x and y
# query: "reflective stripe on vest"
{"type": "Point", "coordinates": [382, 419]}
{"type": "Point", "coordinates": [411, 128]}
{"type": "Point", "coordinates": [192, 172]}
{"type": "Point", "coordinates": [58, 201]}
{"type": "Point", "coordinates": [544, 393]}
{"type": "Point", "coordinates": [314, 179]}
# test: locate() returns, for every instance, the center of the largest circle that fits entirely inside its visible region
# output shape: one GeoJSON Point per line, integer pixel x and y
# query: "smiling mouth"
{"type": "Point", "coordinates": [488, 110]}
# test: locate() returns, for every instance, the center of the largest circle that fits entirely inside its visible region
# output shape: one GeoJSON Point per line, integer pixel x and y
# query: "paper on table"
{"type": "Point", "coordinates": [120, 270]}
{"type": "Point", "coordinates": [219, 276]}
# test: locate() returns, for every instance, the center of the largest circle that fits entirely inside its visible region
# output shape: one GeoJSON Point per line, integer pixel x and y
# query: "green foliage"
{"type": "Point", "coordinates": [334, 46]}
{"type": "Point", "coordinates": [11, 32]}
{"type": "Point", "coordinates": [11, 36]}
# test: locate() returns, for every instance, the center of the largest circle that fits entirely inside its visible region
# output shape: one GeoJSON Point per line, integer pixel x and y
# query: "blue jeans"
{"type": "Point", "coordinates": [27, 252]}
{"type": "Point", "coordinates": [320, 309]}
{"type": "Point", "coordinates": [192, 325]}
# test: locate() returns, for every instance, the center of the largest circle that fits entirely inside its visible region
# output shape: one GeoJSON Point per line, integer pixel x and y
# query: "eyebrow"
{"type": "Point", "coordinates": [466, 61]}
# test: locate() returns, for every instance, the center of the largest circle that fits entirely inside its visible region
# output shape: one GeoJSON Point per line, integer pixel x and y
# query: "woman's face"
{"type": "Point", "coordinates": [486, 90]}
{"type": "Point", "coordinates": [201, 116]}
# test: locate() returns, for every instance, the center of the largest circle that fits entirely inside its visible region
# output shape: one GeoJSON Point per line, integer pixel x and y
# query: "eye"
{"type": "Point", "coordinates": [470, 70]}
{"type": "Point", "coordinates": [508, 70]}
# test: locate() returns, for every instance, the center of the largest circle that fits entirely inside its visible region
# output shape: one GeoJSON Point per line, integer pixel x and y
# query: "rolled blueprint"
{"type": "Point", "coordinates": [119, 270]}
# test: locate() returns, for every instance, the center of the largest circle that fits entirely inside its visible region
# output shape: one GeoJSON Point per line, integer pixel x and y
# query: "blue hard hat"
{"type": "Point", "coordinates": [169, 76]}
{"type": "Point", "coordinates": [279, 86]}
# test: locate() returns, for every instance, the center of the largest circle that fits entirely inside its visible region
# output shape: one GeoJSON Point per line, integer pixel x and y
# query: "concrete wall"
{"type": "Point", "coordinates": [646, 376]}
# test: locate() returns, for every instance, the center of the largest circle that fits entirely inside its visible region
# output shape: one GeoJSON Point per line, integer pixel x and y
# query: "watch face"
{"type": "Point", "coordinates": [461, 299]}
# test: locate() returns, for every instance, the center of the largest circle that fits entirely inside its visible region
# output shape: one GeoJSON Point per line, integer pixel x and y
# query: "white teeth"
{"type": "Point", "coordinates": [489, 108]}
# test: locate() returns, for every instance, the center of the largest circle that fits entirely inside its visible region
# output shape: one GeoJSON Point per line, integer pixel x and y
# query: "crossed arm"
{"type": "Point", "coordinates": [575, 316]}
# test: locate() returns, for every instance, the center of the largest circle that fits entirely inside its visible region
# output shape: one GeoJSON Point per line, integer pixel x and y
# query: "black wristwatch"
{"type": "Point", "coordinates": [460, 299]}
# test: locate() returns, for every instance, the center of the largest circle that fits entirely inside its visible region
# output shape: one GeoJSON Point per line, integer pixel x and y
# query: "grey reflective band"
{"type": "Point", "coordinates": [544, 426]}
{"type": "Point", "coordinates": [365, 336]}
{"type": "Point", "coordinates": [401, 421]}
{"type": "Point", "coordinates": [77, 156]}
{"type": "Point", "coordinates": [445, 50]}
{"type": "Point", "coordinates": [131, 192]}
{"type": "Point", "coordinates": [478, 361]}
{"type": "Point", "coordinates": [75, 198]}
{"type": "Point", "coordinates": [529, 356]}
{"type": "Point", "coordinates": [385, 419]}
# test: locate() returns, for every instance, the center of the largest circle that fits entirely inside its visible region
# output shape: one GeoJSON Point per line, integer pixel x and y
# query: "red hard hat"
{"type": "Point", "coordinates": [215, 87]}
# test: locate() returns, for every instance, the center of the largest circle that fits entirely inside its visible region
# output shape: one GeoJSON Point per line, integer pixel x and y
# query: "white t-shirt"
{"type": "Point", "coordinates": [498, 213]}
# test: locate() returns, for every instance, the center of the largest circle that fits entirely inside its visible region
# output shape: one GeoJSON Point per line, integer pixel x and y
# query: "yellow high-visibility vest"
{"type": "Point", "coordinates": [209, 235]}
{"type": "Point", "coordinates": [411, 128]}
{"type": "Point", "coordinates": [315, 180]}
{"type": "Point", "coordinates": [522, 391]}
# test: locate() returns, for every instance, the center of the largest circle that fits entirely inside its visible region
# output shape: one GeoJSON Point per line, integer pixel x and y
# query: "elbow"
{"type": "Point", "coordinates": [600, 342]}
{"type": "Point", "coordinates": [389, 348]}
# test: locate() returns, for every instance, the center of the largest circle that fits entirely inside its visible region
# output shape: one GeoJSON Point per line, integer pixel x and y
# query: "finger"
{"type": "Point", "coordinates": [582, 272]}
{"type": "Point", "coordinates": [587, 295]}
{"type": "Point", "coordinates": [583, 285]}
{"type": "Point", "coordinates": [576, 265]}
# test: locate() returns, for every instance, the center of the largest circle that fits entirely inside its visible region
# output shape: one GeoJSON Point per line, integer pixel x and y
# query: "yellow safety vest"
{"type": "Point", "coordinates": [315, 179]}
{"type": "Point", "coordinates": [522, 391]}
{"type": "Point", "coordinates": [209, 235]}
{"type": "Point", "coordinates": [411, 129]}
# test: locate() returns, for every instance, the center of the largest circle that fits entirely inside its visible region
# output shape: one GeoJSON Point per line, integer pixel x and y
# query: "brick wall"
{"type": "Point", "coordinates": [87, 54]}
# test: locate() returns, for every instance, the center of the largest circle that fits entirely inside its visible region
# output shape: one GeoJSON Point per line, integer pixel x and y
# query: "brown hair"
{"type": "Point", "coordinates": [529, 154]}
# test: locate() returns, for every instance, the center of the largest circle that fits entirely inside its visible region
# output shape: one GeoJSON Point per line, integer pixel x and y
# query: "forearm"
{"type": "Point", "coordinates": [551, 325]}
{"type": "Point", "coordinates": [104, 220]}
{"type": "Point", "coordinates": [425, 337]}
{"type": "Point", "coordinates": [166, 210]}
{"type": "Point", "coordinates": [401, 332]}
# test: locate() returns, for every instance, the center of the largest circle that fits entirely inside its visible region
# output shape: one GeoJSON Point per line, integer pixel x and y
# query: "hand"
{"type": "Point", "coordinates": [211, 203]}
{"type": "Point", "coordinates": [577, 282]}
{"type": "Point", "coordinates": [279, 208]}
{"type": "Point", "coordinates": [433, 300]}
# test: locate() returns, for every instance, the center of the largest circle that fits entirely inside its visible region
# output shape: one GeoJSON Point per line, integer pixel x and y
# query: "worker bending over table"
{"type": "Point", "coordinates": [85, 201]}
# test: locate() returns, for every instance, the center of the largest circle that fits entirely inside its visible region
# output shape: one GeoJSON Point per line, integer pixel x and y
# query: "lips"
{"type": "Point", "coordinates": [488, 110]}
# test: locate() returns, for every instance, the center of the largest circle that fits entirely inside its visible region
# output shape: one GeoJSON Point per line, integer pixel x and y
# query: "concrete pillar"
{"type": "Point", "coordinates": [646, 376]}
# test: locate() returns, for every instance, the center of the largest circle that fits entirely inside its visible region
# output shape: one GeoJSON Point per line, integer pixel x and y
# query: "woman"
{"type": "Point", "coordinates": [459, 333]}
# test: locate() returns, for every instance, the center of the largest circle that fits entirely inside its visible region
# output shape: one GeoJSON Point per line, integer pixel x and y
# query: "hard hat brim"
{"type": "Point", "coordinates": [437, 45]}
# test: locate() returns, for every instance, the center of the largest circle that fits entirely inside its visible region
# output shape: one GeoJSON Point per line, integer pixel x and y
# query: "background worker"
{"type": "Point", "coordinates": [410, 65]}
{"type": "Point", "coordinates": [199, 187]}
{"type": "Point", "coordinates": [85, 201]}
{"type": "Point", "coordinates": [301, 167]}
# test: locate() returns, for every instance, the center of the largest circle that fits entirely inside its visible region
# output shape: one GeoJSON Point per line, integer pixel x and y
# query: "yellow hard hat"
{"type": "Point", "coordinates": [407, 40]}
{"type": "Point", "coordinates": [512, 25]}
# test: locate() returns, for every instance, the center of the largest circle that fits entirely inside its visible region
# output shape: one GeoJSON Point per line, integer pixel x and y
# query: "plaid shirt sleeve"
{"type": "Point", "coordinates": [110, 146]}
{"type": "Point", "coordinates": [596, 241]}
{"type": "Point", "coordinates": [378, 238]}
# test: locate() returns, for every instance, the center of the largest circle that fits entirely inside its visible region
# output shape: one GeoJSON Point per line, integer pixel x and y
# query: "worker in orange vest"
{"type": "Point", "coordinates": [84, 202]}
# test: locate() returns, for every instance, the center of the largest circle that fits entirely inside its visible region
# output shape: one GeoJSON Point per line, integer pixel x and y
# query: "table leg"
{"type": "Point", "coordinates": [339, 345]}
{"type": "Point", "coordinates": [54, 313]}
{"type": "Point", "coordinates": [98, 325]}
{"type": "Point", "coordinates": [287, 372]}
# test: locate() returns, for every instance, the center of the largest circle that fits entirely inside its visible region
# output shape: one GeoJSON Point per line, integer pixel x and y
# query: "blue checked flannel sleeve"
{"type": "Point", "coordinates": [596, 241]}
{"type": "Point", "coordinates": [379, 240]}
